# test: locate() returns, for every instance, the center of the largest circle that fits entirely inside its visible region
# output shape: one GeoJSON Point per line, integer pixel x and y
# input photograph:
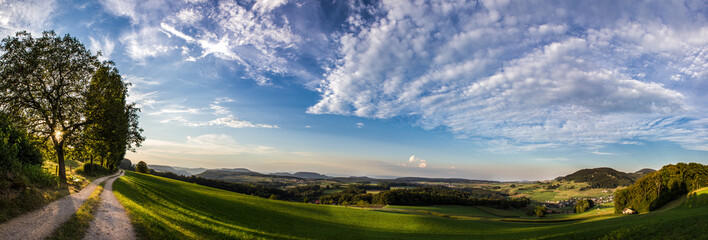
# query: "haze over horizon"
{"type": "Point", "coordinates": [494, 90]}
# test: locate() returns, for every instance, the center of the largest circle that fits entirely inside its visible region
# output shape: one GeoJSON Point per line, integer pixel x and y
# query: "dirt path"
{"type": "Point", "coordinates": [42, 222]}
{"type": "Point", "coordinates": [111, 220]}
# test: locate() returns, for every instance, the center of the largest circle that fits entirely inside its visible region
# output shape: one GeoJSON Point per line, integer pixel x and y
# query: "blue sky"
{"type": "Point", "coordinates": [476, 89]}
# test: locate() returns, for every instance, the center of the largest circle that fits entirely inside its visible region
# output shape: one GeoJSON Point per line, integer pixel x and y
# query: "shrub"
{"type": "Point", "coordinates": [583, 205]}
{"type": "Point", "coordinates": [540, 211]}
{"type": "Point", "coordinates": [94, 169]}
{"type": "Point", "coordinates": [141, 167]}
{"type": "Point", "coordinates": [16, 149]}
{"type": "Point", "coordinates": [37, 175]}
{"type": "Point", "coordinates": [126, 164]}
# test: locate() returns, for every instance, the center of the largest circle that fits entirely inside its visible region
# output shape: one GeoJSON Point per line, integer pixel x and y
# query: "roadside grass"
{"type": "Point", "coordinates": [34, 187]}
{"type": "Point", "coordinates": [162, 208]}
{"type": "Point", "coordinates": [78, 224]}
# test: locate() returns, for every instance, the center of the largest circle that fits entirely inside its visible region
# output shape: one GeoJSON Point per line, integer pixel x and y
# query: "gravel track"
{"type": "Point", "coordinates": [40, 223]}
{"type": "Point", "coordinates": [110, 221]}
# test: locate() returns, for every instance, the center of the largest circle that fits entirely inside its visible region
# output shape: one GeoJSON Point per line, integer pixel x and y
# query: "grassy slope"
{"type": "Point", "coordinates": [168, 209]}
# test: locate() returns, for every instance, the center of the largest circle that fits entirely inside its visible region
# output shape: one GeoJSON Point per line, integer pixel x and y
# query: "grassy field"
{"type": "Point", "coordinates": [168, 209]}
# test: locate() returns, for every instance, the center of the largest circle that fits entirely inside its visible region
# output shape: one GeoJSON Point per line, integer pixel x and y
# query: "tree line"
{"type": "Point", "coordinates": [69, 102]}
{"type": "Point", "coordinates": [420, 196]}
{"type": "Point", "coordinates": [656, 189]}
{"type": "Point", "coordinates": [298, 193]}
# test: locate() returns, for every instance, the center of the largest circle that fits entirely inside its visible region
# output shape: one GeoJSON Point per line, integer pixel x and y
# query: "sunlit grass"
{"type": "Point", "coordinates": [168, 209]}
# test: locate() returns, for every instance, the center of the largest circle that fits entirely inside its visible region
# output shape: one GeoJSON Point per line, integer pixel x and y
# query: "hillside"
{"type": "Point", "coordinates": [602, 177]}
{"type": "Point", "coordinates": [168, 209]}
{"type": "Point", "coordinates": [303, 175]}
{"type": "Point", "coordinates": [161, 168]}
{"type": "Point", "coordinates": [663, 186]}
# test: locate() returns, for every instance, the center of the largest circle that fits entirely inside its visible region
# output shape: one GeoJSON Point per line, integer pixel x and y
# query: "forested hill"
{"type": "Point", "coordinates": [660, 187]}
{"type": "Point", "coordinates": [604, 177]}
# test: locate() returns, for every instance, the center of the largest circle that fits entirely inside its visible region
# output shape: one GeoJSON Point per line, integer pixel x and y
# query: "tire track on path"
{"type": "Point", "coordinates": [40, 223]}
{"type": "Point", "coordinates": [110, 221]}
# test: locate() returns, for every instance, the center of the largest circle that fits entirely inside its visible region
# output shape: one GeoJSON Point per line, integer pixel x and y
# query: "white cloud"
{"type": "Point", "coordinates": [189, 16]}
{"type": "Point", "coordinates": [510, 73]}
{"type": "Point", "coordinates": [232, 122]}
{"type": "Point", "coordinates": [219, 110]}
{"type": "Point", "coordinates": [359, 125]}
{"type": "Point", "coordinates": [145, 43]}
{"type": "Point", "coordinates": [104, 44]}
{"type": "Point", "coordinates": [176, 109]}
{"type": "Point", "coordinates": [265, 6]}
{"type": "Point", "coordinates": [203, 145]}
{"type": "Point", "coordinates": [138, 91]}
{"type": "Point", "coordinates": [32, 15]}
{"type": "Point", "coordinates": [603, 153]}
{"type": "Point", "coordinates": [421, 163]}
{"type": "Point", "coordinates": [223, 100]}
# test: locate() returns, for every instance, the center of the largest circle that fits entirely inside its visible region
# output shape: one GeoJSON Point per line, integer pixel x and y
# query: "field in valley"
{"type": "Point", "coordinates": [168, 209]}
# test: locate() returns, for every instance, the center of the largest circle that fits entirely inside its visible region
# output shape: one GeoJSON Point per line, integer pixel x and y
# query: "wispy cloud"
{"type": "Point", "coordinates": [32, 16]}
{"type": "Point", "coordinates": [495, 71]}
{"type": "Point", "coordinates": [232, 122]}
{"type": "Point", "coordinates": [203, 145]}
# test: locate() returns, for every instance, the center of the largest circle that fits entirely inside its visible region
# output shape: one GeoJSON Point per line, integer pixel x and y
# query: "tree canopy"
{"type": "Point", "coordinates": [47, 86]}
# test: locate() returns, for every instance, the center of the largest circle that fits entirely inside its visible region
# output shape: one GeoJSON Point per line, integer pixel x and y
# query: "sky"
{"type": "Point", "coordinates": [498, 90]}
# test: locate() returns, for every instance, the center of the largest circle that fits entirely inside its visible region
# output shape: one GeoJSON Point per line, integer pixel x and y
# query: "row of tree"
{"type": "Point", "coordinates": [67, 99]}
{"type": "Point", "coordinates": [660, 187]}
{"type": "Point", "coordinates": [429, 195]}
{"type": "Point", "coordinates": [299, 193]}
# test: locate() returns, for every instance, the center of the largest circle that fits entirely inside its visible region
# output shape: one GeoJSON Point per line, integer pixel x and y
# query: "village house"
{"type": "Point", "coordinates": [628, 211]}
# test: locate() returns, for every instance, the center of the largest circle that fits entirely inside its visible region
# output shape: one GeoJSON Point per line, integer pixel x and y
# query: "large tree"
{"type": "Point", "coordinates": [44, 84]}
{"type": "Point", "coordinates": [113, 124]}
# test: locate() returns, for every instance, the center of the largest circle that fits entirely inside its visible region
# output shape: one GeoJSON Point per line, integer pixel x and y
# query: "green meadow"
{"type": "Point", "coordinates": [162, 208]}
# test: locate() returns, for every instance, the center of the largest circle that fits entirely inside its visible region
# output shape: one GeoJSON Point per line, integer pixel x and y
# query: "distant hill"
{"type": "Point", "coordinates": [644, 171]}
{"type": "Point", "coordinates": [240, 170]}
{"type": "Point", "coordinates": [305, 175]}
{"type": "Point", "coordinates": [443, 180]}
{"type": "Point", "coordinates": [602, 177]}
{"type": "Point", "coordinates": [221, 173]}
{"type": "Point", "coordinates": [161, 168]}
{"type": "Point", "coordinates": [177, 170]}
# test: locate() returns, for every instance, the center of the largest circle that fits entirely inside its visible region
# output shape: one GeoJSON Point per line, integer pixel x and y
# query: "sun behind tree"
{"type": "Point", "coordinates": [44, 85]}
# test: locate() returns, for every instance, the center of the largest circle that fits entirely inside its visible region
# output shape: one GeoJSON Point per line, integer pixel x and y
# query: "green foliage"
{"type": "Point", "coordinates": [126, 165]}
{"type": "Point", "coordinates": [44, 84]}
{"type": "Point", "coordinates": [16, 149]}
{"type": "Point", "coordinates": [583, 205]}
{"type": "Point", "coordinates": [38, 177]}
{"type": "Point", "coordinates": [540, 211]}
{"type": "Point", "coordinates": [660, 187]}
{"type": "Point", "coordinates": [141, 167]}
{"type": "Point", "coordinates": [93, 169]}
{"type": "Point", "coordinates": [297, 193]}
{"type": "Point", "coordinates": [602, 177]}
{"type": "Point", "coordinates": [110, 119]}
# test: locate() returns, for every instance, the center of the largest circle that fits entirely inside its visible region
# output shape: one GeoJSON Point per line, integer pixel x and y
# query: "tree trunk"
{"type": "Point", "coordinates": [60, 160]}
